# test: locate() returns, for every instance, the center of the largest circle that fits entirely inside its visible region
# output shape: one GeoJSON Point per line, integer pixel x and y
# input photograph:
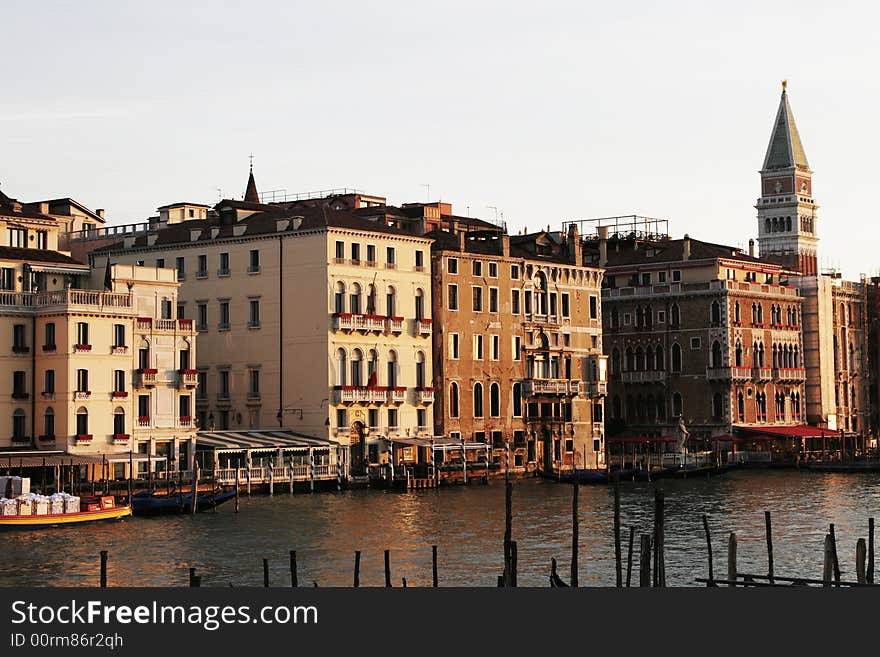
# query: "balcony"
{"type": "Point", "coordinates": [790, 374]}
{"type": "Point", "coordinates": [120, 439]}
{"type": "Point", "coordinates": [394, 325]}
{"type": "Point", "coordinates": [533, 387]}
{"type": "Point", "coordinates": [80, 348]}
{"type": "Point", "coordinates": [396, 395]}
{"type": "Point", "coordinates": [425, 395]}
{"type": "Point", "coordinates": [49, 348]}
{"type": "Point", "coordinates": [143, 420]}
{"type": "Point", "coordinates": [377, 394]}
{"type": "Point", "coordinates": [728, 373]}
{"type": "Point", "coordinates": [48, 396]}
{"type": "Point", "coordinates": [223, 271]}
{"type": "Point", "coordinates": [71, 299]}
{"type": "Point", "coordinates": [359, 322]}
{"type": "Point", "coordinates": [118, 394]}
{"type": "Point", "coordinates": [47, 438]}
{"type": "Point", "coordinates": [83, 439]}
{"type": "Point", "coordinates": [185, 421]}
{"type": "Point", "coordinates": [352, 394]}
{"type": "Point", "coordinates": [423, 326]}
{"type": "Point", "coordinates": [119, 349]}
{"type": "Point", "coordinates": [202, 273]}
{"type": "Point", "coordinates": [20, 350]}
{"type": "Point", "coordinates": [81, 395]}
{"type": "Point", "coordinates": [146, 377]}
{"type": "Point", "coordinates": [20, 396]}
{"type": "Point", "coordinates": [594, 389]}
{"type": "Point", "coordinates": [21, 440]}
{"type": "Point", "coordinates": [167, 326]}
{"type": "Point", "coordinates": [188, 378]}
{"type": "Point", "coordinates": [762, 373]}
{"type": "Point", "coordinates": [643, 376]}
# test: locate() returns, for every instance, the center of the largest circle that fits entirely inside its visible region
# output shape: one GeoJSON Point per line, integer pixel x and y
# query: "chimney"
{"type": "Point", "coordinates": [100, 212]}
{"type": "Point", "coordinates": [574, 245]}
{"type": "Point", "coordinates": [686, 247]}
{"type": "Point", "coordinates": [462, 241]}
{"type": "Point", "coordinates": [752, 248]}
{"type": "Point", "coordinates": [44, 208]}
{"type": "Point", "coordinates": [603, 245]}
{"type": "Point", "coordinates": [505, 245]}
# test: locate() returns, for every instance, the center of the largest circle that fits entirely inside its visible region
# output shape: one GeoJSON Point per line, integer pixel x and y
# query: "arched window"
{"type": "Point", "coordinates": [49, 422]}
{"type": "Point", "coordinates": [736, 316]}
{"type": "Point", "coordinates": [373, 368]}
{"type": "Point", "coordinates": [649, 317]}
{"type": "Point", "coordinates": [453, 399]}
{"type": "Point", "coordinates": [478, 399]}
{"type": "Point", "coordinates": [760, 313]}
{"type": "Point", "coordinates": [797, 357]}
{"type": "Point", "coordinates": [371, 299]}
{"type": "Point", "coordinates": [649, 358]}
{"type": "Point", "coordinates": [716, 354]}
{"type": "Point", "coordinates": [517, 399]}
{"type": "Point", "coordinates": [392, 369]}
{"type": "Point", "coordinates": [355, 299]}
{"type": "Point", "coordinates": [717, 406]}
{"type": "Point", "coordinates": [340, 366]}
{"type": "Point", "coordinates": [615, 407]}
{"type": "Point", "coordinates": [18, 424]}
{"type": "Point", "coordinates": [767, 225]}
{"type": "Point", "coordinates": [715, 313]}
{"type": "Point", "coordinates": [494, 400]}
{"type": "Point", "coordinates": [420, 370]}
{"type": "Point", "coordinates": [677, 405]}
{"type": "Point", "coordinates": [339, 298]}
{"type": "Point", "coordinates": [540, 284]}
{"type": "Point", "coordinates": [761, 354]}
{"type": "Point", "coordinates": [390, 301]}
{"type": "Point", "coordinates": [82, 421]}
{"type": "Point", "coordinates": [420, 304]}
{"type": "Point", "coordinates": [740, 407]}
{"type": "Point", "coordinates": [788, 224]}
{"type": "Point", "coordinates": [661, 407]}
{"type": "Point", "coordinates": [776, 359]}
{"type": "Point", "coordinates": [357, 358]}
{"type": "Point", "coordinates": [630, 360]}
{"type": "Point", "coordinates": [676, 357]}
{"type": "Point", "coordinates": [615, 361]}
{"type": "Point", "coordinates": [640, 359]}
{"type": "Point", "coordinates": [675, 315]}
{"type": "Point", "coordinates": [661, 363]}
{"type": "Point", "coordinates": [739, 353]}
{"type": "Point", "coordinates": [119, 421]}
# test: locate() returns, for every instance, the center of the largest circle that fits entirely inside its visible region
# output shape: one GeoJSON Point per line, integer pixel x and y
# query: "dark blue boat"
{"type": "Point", "coordinates": [146, 503]}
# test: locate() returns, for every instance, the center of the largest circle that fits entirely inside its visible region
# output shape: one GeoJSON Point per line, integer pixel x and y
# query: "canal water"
{"type": "Point", "coordinates": [467, 525]}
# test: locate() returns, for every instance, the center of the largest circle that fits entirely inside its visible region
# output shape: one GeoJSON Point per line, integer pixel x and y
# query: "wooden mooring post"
{"type": "Point", "coordinates": [861, 550]}
{"type": "Point", "coordinates": [195, 487]}
{"type": "Point", "coordinates": [629, 556]}
{"type": "Point", "coordinates": [768, 528]}
{"type": "Point", "coordinates": [236, 489]}
{"type": "Point", "coordinates": [659, 557]}
{"type": "Point", "coordinates": [508, 529]}
{"type": "Point", "coordinates": [645, 561]}
{"type": "Point", "coordinates": [513, 563]}
{"type": "Point", "coordinates": [709, 548]}
{"type": "Point", "coordinates": [194, 580]}
{"type": "Point", "coordinates": [869, 576]}
{"type": "Point", "coordinates": [388, 568]}
{"type": "Point", "coordinates": [357, 568]}
{"type": "Point", "coordinates": [434, 566]}
{"type": "Point", "coordinates": [618, 565]}
{"type": "Point", "coordinates": [294, 580]}
{"type": "Point", "coordinates": [103, 569]}
{"type": "Point", "coordinates": [731, 559]}
{"type": "Point", "coordinates": [835, 562]}
{"type": "Point", "coordinates": [265, 573]}
{"type": "Point", "coordinates": [575, 527]}
{"type": "Point", "coordinates": [828, 561]}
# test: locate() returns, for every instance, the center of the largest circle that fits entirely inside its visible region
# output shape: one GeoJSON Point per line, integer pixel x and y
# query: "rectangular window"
{"type": "Point", "coordinates": [420, 260]}
{"type": "Point", "coordinates": [143, 358]}
{"type": "Point", "coordinates": [202, 271]}
{"type": "Point", "coordinates": [18, 384]}
{"type": "Point", "coordinates": [42, 239]}
{"type": "Point", "coordinates": [341, 418]}
{"type": "Point", "coordinates": [254, 313]}
{"type": "Point", "coordinates": [452, 265]}
{"type": "Point", "coordinates": [17, 237]}
{"type": "Point", "coordinates": [371, 254]}
{"type": "Point", "coordinates": [514, 302]}
{"type": "Point", "coordinates": [390, 257]}
{"type": "Point", "coordinates": [695, 343]}
{"type": "Point", "coordinates": [185, 413]}
{"type": "Point", "coordinates": [646, 278]}
{"type": "Point", "coordinates": [166, 308]}
{"type": "Point", "coordinates": [224, 315]}
{"type": "Point", "coordinates": [514, 272]}
{"type": "Point", "coordinates": [392, 419]}
{"type": "Point", "coordinates": [493, 270]}
{"type": "Point", "coordinates": [494, 354]}
{"type": "Point", "coordinates": [355, 253]}
{"type": "Point", "coordinates": [184, 359]}
{"type": "Point", "coordinates": [19, 341]}
{"type": "Point", "coordinates": [7, 278]}
{"type": "Point", "coordinates": [566, 310]}
{"type": "Point", "coordinates": [517, 347]}
{"type": "Point", "coordinates": [340, 250]}
{"type": "Point", "coordinates": [82, 334]}
{"type": "Point", "coordinates": [478, 347]}
{"type": "Point", "coordinates": [119, 335]}
{"type": "Point", "coordinates": [201, 317]}
{"type": "Point", "coordinates": [160, 263]}
{"type": "Point", "coordinates": [181, 310]}
{"type": "Point", "coordinates": [552, 304]}
{"type": "Point", "coordinates": [82, 380]}
{"type": "Point", "coordinates": [118, 380]}
{"type": "Point", "coordinates": [49, 382]}
{"type": "Point", "coordinates": [453, 346]}
{"type": "Point", "coordinates": [676, 276]}
{"type": "Point", "coordinates": [254, 261]}
{"type": "Point", "coordinates": [493, 299]}
{"type": "Point", "coordinates": [661, 276]}
{"type": "Point", "coordinates": [224, 385]}
{"type": "Point", "coordinates": [254, 383]}
{"type": "Point", "coordinates": [202, 390]}
{"type": "Point", "coordinates": [594, 307]}
{"type": "Point", "coordinates": [627, 319]}
{"type": "Point", "coordinates": [452, 298]}
{"type": "Point", "coordinates": [477, 299]}
{"type": "Point", "coordinates": [224, 265]}
{"type": "Point", "coordinates": [181, 268]}
{"type": "Point", "coordinates": [143, 408]}
{"type": "Point", "coordinates": [527, 306]}
{"type": "Point", "coordinates": [477, 267]}
{"type": "Point", "coordinates": [661, 316]}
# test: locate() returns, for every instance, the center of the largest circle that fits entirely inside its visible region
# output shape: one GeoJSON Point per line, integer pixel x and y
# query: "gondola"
{"type": "Point", "coordinates": [146, 503]}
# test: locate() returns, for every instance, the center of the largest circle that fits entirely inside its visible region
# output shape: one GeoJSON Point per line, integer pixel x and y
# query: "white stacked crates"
{"type": "Point", "coordinates": [56, 503]}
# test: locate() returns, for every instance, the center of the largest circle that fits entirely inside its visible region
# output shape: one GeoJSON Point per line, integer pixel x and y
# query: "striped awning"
{"type": "Point", "coordinates": [255, 440]}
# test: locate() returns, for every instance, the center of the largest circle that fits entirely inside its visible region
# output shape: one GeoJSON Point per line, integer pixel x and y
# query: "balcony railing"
{"type": "Point", "coordinates": [81, 395]}
{"type": "Point", "coordinates": [396, 395]}
{"type": "Point", "coordinates": [425, 395]}
{"type": "Point", "coordinates": [394, 325]}
{"type": "Point", "coordinates": [423, 326]}
{"type": "Point", "coordinates": [533, 387]}
{"type": "Point", "coordinates": [20, 349]}
{"type": "Point", "coordinates": [19, 395]}
{"type": "Point", "coordinates": [120, 438]}
{"type": "Point", "coordinates": [119, 394]}
{"type": "Point", "coordinates": [143, 420]}
{"type": "Point", "coordinates": [185, 421]}
{"type": "Point", "coordinates": [188, 378]}
{"type": "Point", "coordinates": [790, 374]}
{"type": "Point", "coordinates": [147, 377]}
{"type": "Point", "coordinates": [83, 438]}
{"type": "Point", "coordinates": [77, 348]}
{"type": "Point", "coordinates": [762, 373]}
{"type": "Point", "coordinates": [119, 349]}
{"type": "Point", "coordinates": [85, 299]}
{"type": "Point", "coordinates": [643, 376]}
{"type": "Point", "coordinates": [594, 388]}
{"type": "Point", "coordinates": [21, 440]}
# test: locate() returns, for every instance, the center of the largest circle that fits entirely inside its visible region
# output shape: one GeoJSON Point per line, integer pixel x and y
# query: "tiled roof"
{"type": "Point", "coordinates": [785, 149]}
{"type": "Point", "coordinates": [37, 255]}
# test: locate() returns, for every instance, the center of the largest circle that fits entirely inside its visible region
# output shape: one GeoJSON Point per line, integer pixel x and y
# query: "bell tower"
{"type": "Point", "coordinates": [786, 209]}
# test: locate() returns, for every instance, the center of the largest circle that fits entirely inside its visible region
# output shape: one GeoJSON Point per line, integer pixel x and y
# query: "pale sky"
{"type": "Point", "coordinates": [547, 110]}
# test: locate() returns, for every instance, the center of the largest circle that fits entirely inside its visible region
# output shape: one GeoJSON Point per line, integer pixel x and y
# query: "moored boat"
{"type": "Point", "coordinates": [103, 509]}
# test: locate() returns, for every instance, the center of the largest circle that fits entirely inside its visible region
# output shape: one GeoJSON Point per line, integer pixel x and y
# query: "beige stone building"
{"type": "Point", "coordinates": [310, 318]}
{"type": "Point", "coordinates": [96, 364]}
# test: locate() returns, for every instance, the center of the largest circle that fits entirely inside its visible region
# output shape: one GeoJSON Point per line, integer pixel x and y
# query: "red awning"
{"type": "Point", "coordinates": [792, 431]}
{"type": "Point", "coordinates": [640, 439]}
{"type": "Point", "coordinates": [726, 438]}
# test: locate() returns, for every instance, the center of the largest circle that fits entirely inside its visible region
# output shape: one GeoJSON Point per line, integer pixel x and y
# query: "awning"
{"type": "Point", "coordinates": [237, 441]}
{"type": "Point", "coordinates": [50, 269]}
{"type": "Point", "coordinates": [790, 431]}
{"type": "Point", "coordinates": [726, 438]}
{"type": "Point", "coordinates": [35, 459]}
{"type": "Point", "coordinates": [640, 439]}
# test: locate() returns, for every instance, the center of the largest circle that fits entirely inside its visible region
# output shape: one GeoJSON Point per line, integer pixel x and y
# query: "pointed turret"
{"type": "Point", "coordinates": [785, 149]}
{"type": "Point", "coordinates": [251, 195]}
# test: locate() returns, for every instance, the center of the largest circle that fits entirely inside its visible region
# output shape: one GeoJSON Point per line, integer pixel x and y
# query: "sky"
{"type": "Point", "coordinates": [538, 112]}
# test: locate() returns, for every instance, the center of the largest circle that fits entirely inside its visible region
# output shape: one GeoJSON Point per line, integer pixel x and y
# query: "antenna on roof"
{"type": "Point", "coordinates": [251, 158]}
{"type": "Point", "coordinates": [427, 187]}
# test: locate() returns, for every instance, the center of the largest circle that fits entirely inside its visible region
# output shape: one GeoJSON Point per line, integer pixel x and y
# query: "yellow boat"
{"type": "Point", "coordinates": [60, 519]}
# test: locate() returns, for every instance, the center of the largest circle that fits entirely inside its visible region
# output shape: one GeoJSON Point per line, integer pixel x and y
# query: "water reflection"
{"type": "Point", "coordinates": [467, 524]}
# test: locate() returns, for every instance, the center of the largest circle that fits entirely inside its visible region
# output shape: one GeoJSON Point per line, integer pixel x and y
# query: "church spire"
{"type": "Point", "coordinates": [785, 149]}
{"type": "Point", "coordinates": [251, 195]}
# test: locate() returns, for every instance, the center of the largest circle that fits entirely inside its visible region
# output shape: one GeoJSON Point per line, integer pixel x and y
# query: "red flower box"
{"type": "Point", "coordinates": [119, 394]}
{"type": "Point", "coordinates": [83, 347]}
